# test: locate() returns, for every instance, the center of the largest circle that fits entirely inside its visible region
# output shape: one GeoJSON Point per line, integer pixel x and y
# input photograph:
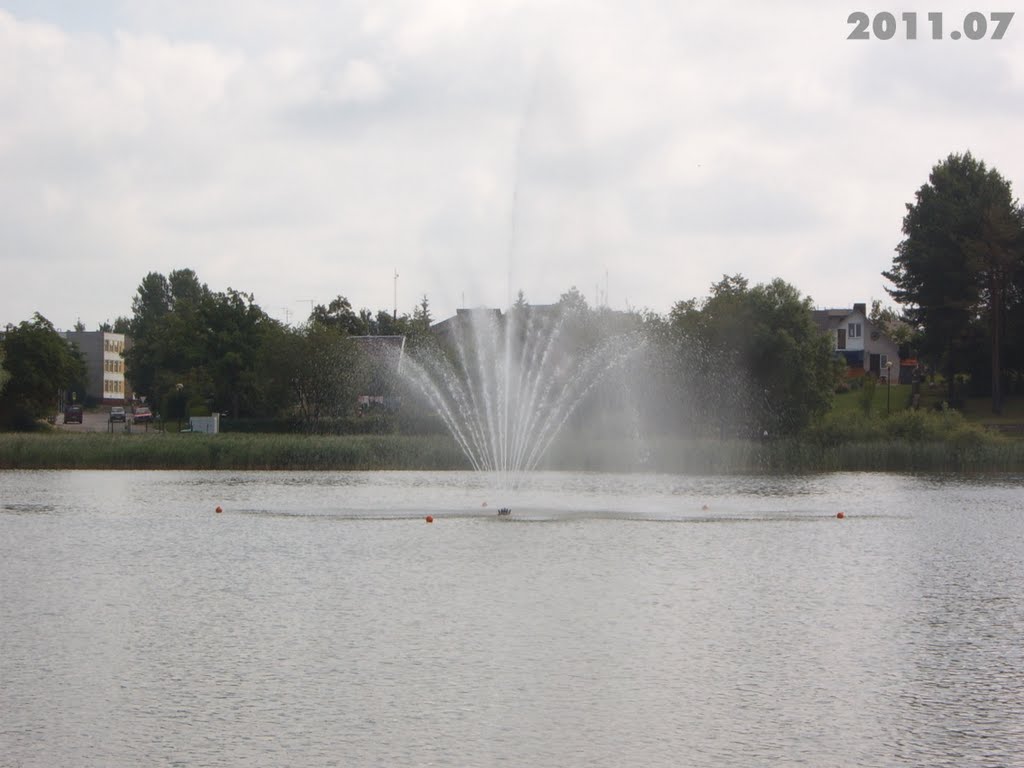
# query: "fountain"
{"type": "Point", "coordinates": [507, 384]}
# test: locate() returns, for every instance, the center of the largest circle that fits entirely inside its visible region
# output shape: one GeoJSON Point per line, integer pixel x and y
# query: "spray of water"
{"type": "Point", "coordinates": [509, 384]}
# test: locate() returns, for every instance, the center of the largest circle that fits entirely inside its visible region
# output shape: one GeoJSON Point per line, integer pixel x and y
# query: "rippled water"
{"type": "Point", "coordinates": [609, 621]}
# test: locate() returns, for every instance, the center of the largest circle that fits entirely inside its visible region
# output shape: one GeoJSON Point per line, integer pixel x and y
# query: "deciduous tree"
{"type": "Point", "coordinates": [40, 363]}
{"type": "Point", "coordinates": [765, 365]}
{"type": "Point", "coordinates": [339, 314]}
{"type": "Point", "coordinates": [325, 373]}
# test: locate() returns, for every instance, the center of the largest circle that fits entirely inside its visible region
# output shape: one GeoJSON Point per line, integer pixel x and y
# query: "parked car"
{"type": "Point", "coordinates": [142, 415]}
{"type": "Point", "coordinates": [117, 413]}
{"type": "Point", "coordinates": [73, 414]}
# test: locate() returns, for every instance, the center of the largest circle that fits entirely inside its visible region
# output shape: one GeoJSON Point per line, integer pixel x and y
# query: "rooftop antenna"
{"type": "Point", "coordinates": [287, 315]}
{"type": "Point", "coordinates": [396, 295]}
{"type": "Point", "coordinates": [311, 301]}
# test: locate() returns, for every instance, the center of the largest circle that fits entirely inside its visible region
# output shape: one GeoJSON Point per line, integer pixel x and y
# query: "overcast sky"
{"type": "Point", "coordinates": [300, 150]}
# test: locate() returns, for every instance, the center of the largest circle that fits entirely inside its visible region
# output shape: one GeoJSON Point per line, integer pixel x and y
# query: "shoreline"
{"type": "Point", "coordinates": [267, 452]}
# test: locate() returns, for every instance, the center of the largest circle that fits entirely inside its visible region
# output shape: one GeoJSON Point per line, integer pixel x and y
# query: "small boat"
{"type": "Point", "coordinates": [504, 511]}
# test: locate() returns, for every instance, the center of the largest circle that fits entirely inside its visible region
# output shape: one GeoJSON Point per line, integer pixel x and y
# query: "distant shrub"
{"type": "Point", "coordinates": [913, 426]}
{"type": "Point", "coordinates": [866, 396]}
{"type": "Point", "coordinates": [259, 426]}
{"type": "Point", "coordinates": [373, 422]}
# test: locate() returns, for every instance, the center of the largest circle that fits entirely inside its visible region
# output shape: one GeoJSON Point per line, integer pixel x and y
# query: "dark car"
{"type": "Point", "coordinates": [117, 413]}
{"type": "Point", "coordinates": [73, 414]}
{"type": "Point", "coordinates": [142, 415]}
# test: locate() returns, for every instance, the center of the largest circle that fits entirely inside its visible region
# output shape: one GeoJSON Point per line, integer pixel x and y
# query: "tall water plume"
{"type": "Point", "coordinates": [506, 384]}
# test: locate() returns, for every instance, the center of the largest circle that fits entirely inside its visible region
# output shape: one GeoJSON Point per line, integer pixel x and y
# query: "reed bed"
{"type": "Point", "coordinates": [227, 451]}
{"type": "Point", "coordinates": [725, 457]}
{"type": "Point", "coordinates": [962, 452]}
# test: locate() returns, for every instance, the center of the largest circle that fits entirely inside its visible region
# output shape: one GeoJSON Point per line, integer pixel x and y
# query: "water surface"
{"type": "Point", "coordinates": [611, 620]}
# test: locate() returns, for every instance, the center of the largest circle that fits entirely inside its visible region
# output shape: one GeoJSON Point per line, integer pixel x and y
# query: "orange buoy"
{"type": "Point", "coordinates": [429, 518]}
{"type": "Point", "coordinates": [840, 515]}
{"type": "Point", "coordinates": [218, 510]}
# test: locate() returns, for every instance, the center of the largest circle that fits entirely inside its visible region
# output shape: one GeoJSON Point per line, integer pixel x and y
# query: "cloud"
{"type": "Point", "coordinates": [308, 149]}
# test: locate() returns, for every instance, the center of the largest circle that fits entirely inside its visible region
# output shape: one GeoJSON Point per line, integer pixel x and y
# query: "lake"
{"type": "Point", "coordinates": [609, 620]}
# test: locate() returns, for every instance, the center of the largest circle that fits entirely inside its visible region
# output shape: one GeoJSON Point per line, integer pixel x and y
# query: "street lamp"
{"type": "Point", "coordinates": [888, 384]}
{"type": "Point", "coordinates": [179, 386]}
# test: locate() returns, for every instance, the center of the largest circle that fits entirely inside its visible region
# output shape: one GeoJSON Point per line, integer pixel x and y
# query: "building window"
{"type": "Point", "coordinates": [853, 330]}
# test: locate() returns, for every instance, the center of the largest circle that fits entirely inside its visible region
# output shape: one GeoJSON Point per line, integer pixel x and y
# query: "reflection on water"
{"type": "Point", "coordinates": [612, 620]}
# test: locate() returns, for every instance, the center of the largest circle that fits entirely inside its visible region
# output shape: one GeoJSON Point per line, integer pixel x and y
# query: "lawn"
{"type": "Point", "coordinates": [897, 398]}
{"type": "Point", "coordinates": [978, 408]}
{"type": "Point", "coordinates": [883, 400]}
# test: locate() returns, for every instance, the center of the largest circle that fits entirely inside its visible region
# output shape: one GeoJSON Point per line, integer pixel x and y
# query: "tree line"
{"type": "Point", "coordinates": [744, 360]}
{"type": "Point", "coordinates": [221, 351]}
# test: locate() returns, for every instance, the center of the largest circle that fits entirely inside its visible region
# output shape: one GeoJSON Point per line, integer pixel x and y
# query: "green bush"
{"type": "Point", "coordinates": [866, 395]}
{"type": "Point", "coordinates": [912, 426]}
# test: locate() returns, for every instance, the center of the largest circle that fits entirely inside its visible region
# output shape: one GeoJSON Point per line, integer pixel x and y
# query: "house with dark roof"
{"type": "Point", "coordinates": [865, 346]}
{"type": "Point", "coordinates": [449, 329]}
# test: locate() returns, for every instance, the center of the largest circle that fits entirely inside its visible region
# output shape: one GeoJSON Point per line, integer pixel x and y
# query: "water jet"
{"type": "Point", "coordinates": [505, 385]}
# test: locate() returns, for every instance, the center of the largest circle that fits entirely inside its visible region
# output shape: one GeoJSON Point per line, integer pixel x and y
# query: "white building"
{"type": "Point", "coordinates": [104, 364]}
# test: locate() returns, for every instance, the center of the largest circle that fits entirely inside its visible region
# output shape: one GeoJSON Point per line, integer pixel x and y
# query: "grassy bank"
{"type": "Point", "coordinates": [851, 440]}
{"type": "Point", "coordinates": [960, 451]}
{"type": "Point", "coordinates": [713, 457]}
{"type": "Point", "coordinates": [227, 451]}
